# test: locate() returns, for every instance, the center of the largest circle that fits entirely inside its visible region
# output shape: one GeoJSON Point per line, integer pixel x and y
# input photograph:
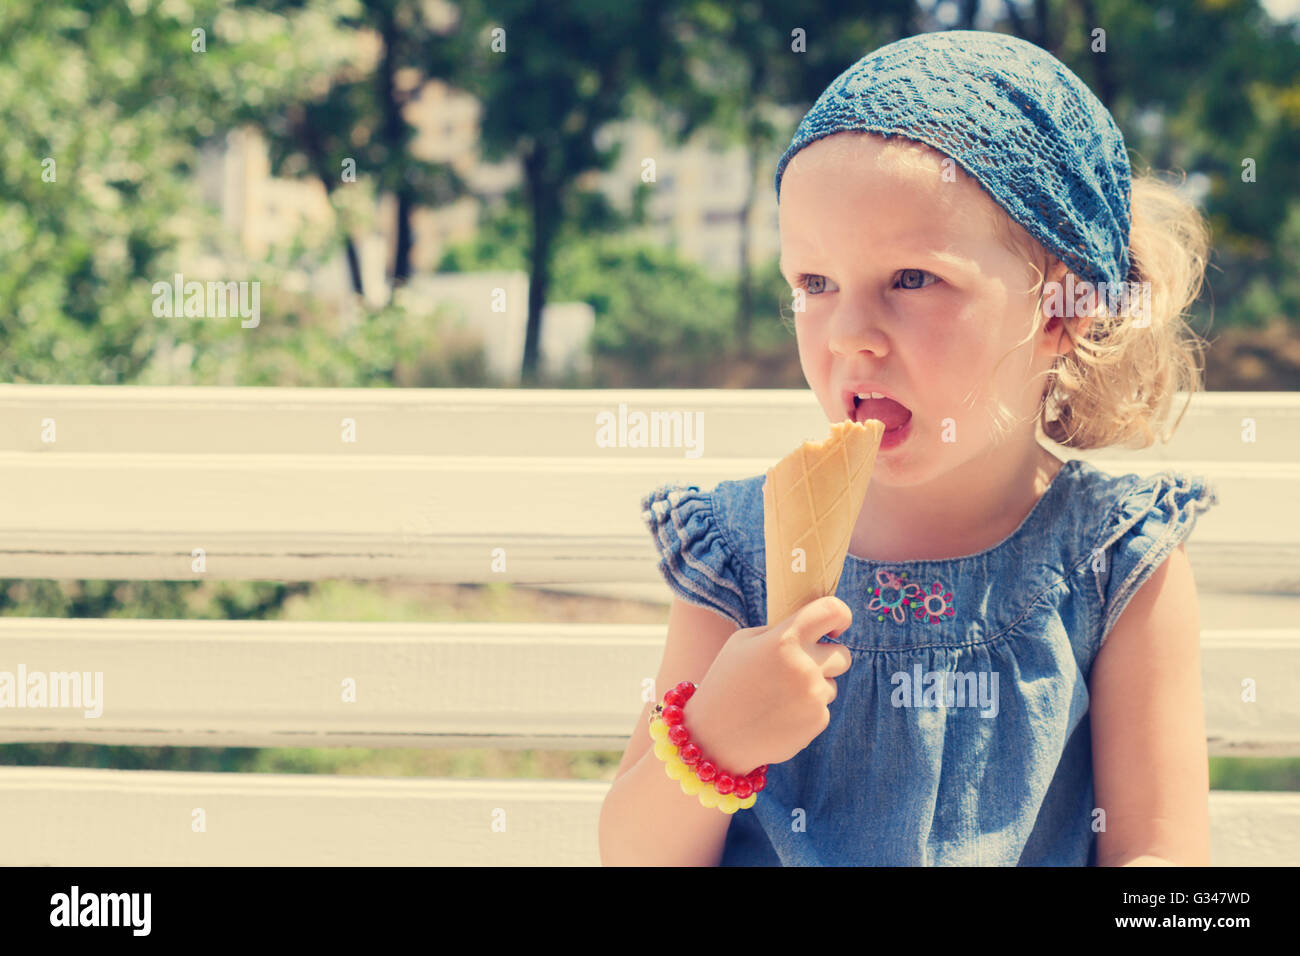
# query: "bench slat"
{"type": "Point", "coordinates": [306, 518]}
{"type": "Point", "coordinates": [556, 686]}
{"type": "Point", "coordinates": [744, 423]}
{"type": "Point", "coordinates": [62, 816]}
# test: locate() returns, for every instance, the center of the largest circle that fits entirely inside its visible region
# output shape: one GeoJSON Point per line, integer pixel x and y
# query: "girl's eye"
{"type": "Point", "coordinates": [915, 274]}
{"type": "Point", "coordinates": [811, 282]}
{"type": "Point", "coordinates": [816, 284]}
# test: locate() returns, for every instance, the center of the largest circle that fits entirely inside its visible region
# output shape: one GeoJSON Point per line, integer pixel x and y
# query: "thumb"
{"type": "Point", "coordinates": [825, 616]}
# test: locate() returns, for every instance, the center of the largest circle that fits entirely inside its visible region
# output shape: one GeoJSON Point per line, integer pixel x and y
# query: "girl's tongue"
{"type": "Point", "coordinates": [885, 410]}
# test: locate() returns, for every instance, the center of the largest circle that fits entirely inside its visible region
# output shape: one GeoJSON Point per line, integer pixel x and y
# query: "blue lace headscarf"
{"type": "Point", "coordinates": [1013, 117]}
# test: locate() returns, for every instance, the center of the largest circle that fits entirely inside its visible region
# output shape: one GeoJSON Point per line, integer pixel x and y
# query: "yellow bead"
{"type": "Point", "coordinates": [748, 801]}
{"type": "Point", "coordinates": [708, 796]}
{"type": "Point", "coordinates": [692, 784]}
{"type": "Point", "coordinates": [730, 803]}
{"type": "Point", "coordinates": [675, 768]}
{"type": "Point", "coordinates": [658, 730]}
{"type": "Point", "coordinates": [664, 750]}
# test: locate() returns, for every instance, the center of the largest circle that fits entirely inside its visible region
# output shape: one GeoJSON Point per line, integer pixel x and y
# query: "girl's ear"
{"type": "Point", "coordinates": [1053, 297]}
{"type": "Point", "coordinates": [1059, 308]}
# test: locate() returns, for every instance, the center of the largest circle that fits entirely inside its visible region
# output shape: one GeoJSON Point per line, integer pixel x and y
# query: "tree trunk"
{"type": "Point", "coordinates": [354, 265]}
{"type": "Point", "coordinates": [395, 141]}
{"type": "Point", "coordinates": [745, 299]}
{"type": "Point", "coordinates": [544, 204]}
{"type": "Point", "coordinates": [309, 139]}
{"type": "Point", "coordinates": [405, 237]}
{"type": "Point", "coordinates": [349, 247]}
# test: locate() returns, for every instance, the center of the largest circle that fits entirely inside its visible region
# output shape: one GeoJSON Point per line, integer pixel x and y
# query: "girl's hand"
{"type": "Point", "coordinates": [766, 695]}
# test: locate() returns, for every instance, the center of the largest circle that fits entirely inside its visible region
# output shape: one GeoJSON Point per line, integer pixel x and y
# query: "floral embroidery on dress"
{"type": "Point", "coordinates": [894, 596]}
{"type": "Point", "coordinates": [936, 605]}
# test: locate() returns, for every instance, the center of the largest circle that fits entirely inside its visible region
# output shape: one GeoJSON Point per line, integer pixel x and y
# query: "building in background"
{"type": "Point", "coordinates": [697, 197]}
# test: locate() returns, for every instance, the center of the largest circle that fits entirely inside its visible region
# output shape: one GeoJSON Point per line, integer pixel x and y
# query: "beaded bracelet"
{"type": "Point", "coordinates": [684, 761]}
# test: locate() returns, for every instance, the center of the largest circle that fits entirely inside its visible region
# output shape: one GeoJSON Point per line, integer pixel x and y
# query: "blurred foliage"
{"type": "Point", "coordinates": [115, 103]}
{"type": "Point", "coordinates": [354, 110]}
{"type": "Point", "coordinates": [499, 242]}
{"type": "Point", "coordinates": [1199, 87]}
{"type": "Point", "coordinates": [310, 347]}
{"type": "Point", "coordinates": [114, 93]}
{"type": "Point", "coordinates": [161, 600]}
{"type": "Point", "coordinates": [117, 98]}
{"type": "Point", "coordinates": [1226, 773]}
{"type": "Point", "coordinates": [1254, 773]}
{"type": "Point", "coordinates": [99, 757]}
{"type": "Point", "coordinates": [545, 103]}
{"type": "Point", "coordinates": [464, 763]}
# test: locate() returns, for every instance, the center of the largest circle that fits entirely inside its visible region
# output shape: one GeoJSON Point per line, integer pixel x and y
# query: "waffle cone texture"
{"type": "Point", "coordinates": [811, 501]}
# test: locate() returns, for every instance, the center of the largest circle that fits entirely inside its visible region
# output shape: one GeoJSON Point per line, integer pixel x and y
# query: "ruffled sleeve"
{"type": "Point", "coordinates": [695, 559]}
{"type": "Point", "coordinates": [1151, 518]}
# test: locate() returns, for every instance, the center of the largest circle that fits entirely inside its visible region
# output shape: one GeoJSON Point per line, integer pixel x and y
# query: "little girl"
{"type": "Point", "coordinates": [1012, 654]}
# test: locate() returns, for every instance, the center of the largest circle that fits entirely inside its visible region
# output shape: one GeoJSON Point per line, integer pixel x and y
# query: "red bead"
{"type": "Point", "coordinates": [724, 784]}
{"type": "Point", "coordinates": [706, 771]}
{"type": "Point", "coordinates": [759, 783]}
{"type": "Point", "coordinates": [672, 715]}
{"type": "Point", "coordinates": [743, 788]}
{"type": "Point", "coordinates": [690, 754]}
{"type": "Point", "coordinates": [678, 735]}
{"type": "Point", "coordinates": [760, 770]}
{"type": "Point", "coordinates": [680, 694]}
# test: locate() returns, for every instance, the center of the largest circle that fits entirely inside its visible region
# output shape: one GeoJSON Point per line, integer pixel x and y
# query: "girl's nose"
{"type": "Point", "coordinates": [853, 331]}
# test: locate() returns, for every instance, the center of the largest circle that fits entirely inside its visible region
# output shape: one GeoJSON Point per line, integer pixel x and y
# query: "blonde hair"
{"type": "Point", "coordinates": [1117, 385]}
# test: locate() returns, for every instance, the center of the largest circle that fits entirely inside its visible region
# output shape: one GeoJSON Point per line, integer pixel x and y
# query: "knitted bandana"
{"type": "Point", "coordinates": [1012, 116]}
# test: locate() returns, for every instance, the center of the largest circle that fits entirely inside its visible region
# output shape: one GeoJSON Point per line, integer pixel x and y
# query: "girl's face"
{"type": "Point", "coordinates": [908, 291]}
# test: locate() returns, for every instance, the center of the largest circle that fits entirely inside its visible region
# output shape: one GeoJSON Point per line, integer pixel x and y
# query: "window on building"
{"type": "Point", "coordinates": [718, 217]}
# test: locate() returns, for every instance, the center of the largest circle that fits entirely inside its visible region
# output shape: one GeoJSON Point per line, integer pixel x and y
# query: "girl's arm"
{"type": "Point", "coordinates": [1149, 757]}
{"type": "Point", "coordinates": [646, 820]}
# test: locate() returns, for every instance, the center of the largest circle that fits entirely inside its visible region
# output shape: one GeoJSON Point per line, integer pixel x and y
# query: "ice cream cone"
{"type": "Point", "coordinates": [811, 501]}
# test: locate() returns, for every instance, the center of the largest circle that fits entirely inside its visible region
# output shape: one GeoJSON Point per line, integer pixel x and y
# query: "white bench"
{"type": "Point", "coordinates": [435, 482]}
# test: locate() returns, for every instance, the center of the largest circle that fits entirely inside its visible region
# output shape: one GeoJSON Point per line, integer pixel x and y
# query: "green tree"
{"type": "Point", "coordinates": [100, 106]}
{"type": "Point", "coordinates": [550, 75]}
{"type": "Point", "coordinates": [351, 119]}
{"type": "Point", "coordinates": [1200, 86]}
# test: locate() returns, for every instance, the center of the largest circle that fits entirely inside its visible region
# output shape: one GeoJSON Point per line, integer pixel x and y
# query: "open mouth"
{"type": "Point", "coordinates": [893, 414]}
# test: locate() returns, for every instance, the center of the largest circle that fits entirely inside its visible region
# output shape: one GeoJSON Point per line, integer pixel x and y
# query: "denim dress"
{"type": "Point", "coordinates": [960, 733]}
